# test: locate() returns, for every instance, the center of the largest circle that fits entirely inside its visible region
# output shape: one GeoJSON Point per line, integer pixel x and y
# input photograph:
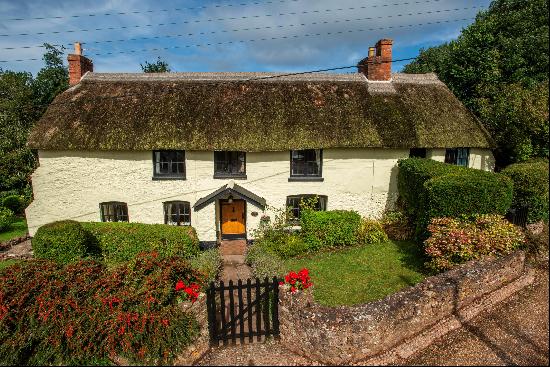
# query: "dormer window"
{"type": "Point", "coordinates": [168, 164]}
{"type": "Point", "coordinates": [229, 164]}
{"type": "Point", "coordinates": [306, 165]}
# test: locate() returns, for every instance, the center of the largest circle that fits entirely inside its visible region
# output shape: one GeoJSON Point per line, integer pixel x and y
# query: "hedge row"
{"type": "Point", "coordinates": [87, 314]}
{"type": "Point", "coordinates": [530, 188]}
{"type": "Point", "coordinates": [431, 189]}
{"type": "Point", "coordinates": [67, 241]}
{"type": "Point", "coordinates": [335, 228]}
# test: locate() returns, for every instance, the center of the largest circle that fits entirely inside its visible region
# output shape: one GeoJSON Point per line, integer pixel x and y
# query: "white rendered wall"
{"type": "Point", "coordinates": [71, 184]}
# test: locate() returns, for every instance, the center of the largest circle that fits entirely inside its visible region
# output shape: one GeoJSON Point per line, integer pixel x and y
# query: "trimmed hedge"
{"type": "Point", "coordinates": [431, 189]}
{"type": "Point", "coordinates": [64, 242]}
{"type": "Point", "coordinates": [335, 228]}
{"type": "Point", "coordinates": [530, 188]}
{"type": "Point", "coordinates": [87, 314]}
{"type": "Point", "coordinates": [6, 219]}
{"type": "Point", "coordinates": [14, 203]}
{"type": "Point", "coordinates": [120, 242]}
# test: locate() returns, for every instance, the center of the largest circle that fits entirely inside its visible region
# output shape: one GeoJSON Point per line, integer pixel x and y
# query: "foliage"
{"type": "Point", "coordinates": [530, 188]}
{"type": "Point", "coordinates": [264, 263]}
{"type": "Point", "coordinates": [64, 242]}
{"type": "Point", "coordinates": [359, 274]}
{"type": "Point", "coordinates": [371, 232]}
{"type": "Point", "coordinates": [431, 189]}
{"type": "Point", "coordinates": [6, 219]}
{"type": "Point", "coordinates": [297, 281]}
{"type": "Point", "coordinates": [329, 229]}
{"type": "Point", "coordinates": [498, 67]}
{"type": "Point", "coordinates": [17, 229]}
{"type": "Point", "coordinates": [120, 242]}
{"type": "Point", "coordinates": [14, 203]}
{"type": "Point", "coordinates": [397, 225]}
{"type": "Point", "coordinates": [158, 66]}
{"type": "Point", "coordinates": [23, 99]}
{"type": "Point", "coordinates": [455, 241]}
{"type": "Point", "coordinates": [208, 262]}
{"type": "Point", "coordinates": [83, 313]}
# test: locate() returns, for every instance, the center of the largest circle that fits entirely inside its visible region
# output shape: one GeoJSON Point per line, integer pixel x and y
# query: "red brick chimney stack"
{"type": "Point", "coordinates": [78, 65]}
{"type": "Point", "coordinates": [377, 66]}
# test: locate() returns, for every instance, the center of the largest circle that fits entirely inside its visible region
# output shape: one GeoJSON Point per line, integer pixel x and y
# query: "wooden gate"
{"type": "Point", "coordinates": [243, 312]}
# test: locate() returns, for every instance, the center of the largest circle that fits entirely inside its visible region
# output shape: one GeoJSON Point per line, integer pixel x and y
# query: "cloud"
{"type": "Point", "coordinates": [281, 35]}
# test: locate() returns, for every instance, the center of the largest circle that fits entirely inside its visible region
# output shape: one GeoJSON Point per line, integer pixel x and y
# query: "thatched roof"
{"type": "Point", "coordinates": [211, 111]}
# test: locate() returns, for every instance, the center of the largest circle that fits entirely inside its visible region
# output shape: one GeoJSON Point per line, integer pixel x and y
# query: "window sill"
{"type": "Point", "coordinates": [224, 177]}
{"type": "Point", "coordinates": [306, 179]}
{"type": "Point", "coordinates": [160, 178]}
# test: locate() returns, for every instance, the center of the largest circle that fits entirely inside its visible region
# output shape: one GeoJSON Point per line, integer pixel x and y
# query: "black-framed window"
{"type": "Point", "coordinates": [458, 156]}
{"type": "Point", "coordinates": [306, 163]}
{"type": "Point", "coordinates": [229, 164]}
{"type": "Point", "coordinates": [293, 204]}
{"type": "Point", "coordinates": [177, 213]}
{"type": "Point", "coordinates": [114, 211]}
{"type": "Point", "coordinates": [169, 164]}
{"type": "Point", "coordinates": [417, 153]}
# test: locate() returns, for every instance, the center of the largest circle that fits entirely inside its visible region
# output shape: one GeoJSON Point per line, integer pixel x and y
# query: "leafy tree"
{"type": "Point", "coordinates": [23, 99]}
{"type": "Point", "coordinates": [498, 67]}
{"type": "Point", "coordinates": [159, 66]}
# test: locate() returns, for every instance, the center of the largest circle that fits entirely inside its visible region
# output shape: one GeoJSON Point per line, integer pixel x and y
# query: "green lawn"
{"type": "Point", "coordinates": [361, 274]}
{"type": "Point", "coordinates": [5, 263]}
{"type": "Point", "coordinates": [17, 229]}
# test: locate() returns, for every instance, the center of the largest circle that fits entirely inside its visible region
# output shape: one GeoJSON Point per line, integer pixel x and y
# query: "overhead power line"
{"type": "Point", "coordinates": [217, 19]}
{"type": "Point", "coordinates": [256, 28]}
{"type": "Point", "coordinates": [156, 10]}
{"type": "Point", "coordinates": [261, 39]}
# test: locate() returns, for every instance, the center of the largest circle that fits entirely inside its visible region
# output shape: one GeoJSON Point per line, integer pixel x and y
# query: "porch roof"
{"type": "Point", "coordinates": [231, 188]}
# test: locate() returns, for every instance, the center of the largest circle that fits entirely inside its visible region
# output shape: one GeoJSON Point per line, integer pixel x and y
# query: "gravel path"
{"type": "Point", "coordinates": [515, 332]}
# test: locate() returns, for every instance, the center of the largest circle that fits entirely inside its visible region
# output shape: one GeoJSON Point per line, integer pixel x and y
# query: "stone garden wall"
{"type": "Point", "coordinates": [374, 332]}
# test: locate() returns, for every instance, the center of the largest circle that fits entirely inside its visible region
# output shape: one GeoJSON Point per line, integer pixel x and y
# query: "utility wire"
{"type": "Point", "coordinates": [217, 19]}
{"type": "Point", "coordinates": [155, 11]}
{"type": "Point", "coordinates": [259, 40]}
{"type": "Point", "coordinates": [256, 28]}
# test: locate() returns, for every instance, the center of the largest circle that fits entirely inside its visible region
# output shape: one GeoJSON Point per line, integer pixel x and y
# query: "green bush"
{"type": "Point", "coordinates": [431, 189]}
{"type": "Point", "coordinates": [371, 232]}
{"type": "Point", "coordinates": [121, 242]}
{"type": "Point", "coordinates": [63, 242]}
{"type": "Point", "coordinates": [329, 229]}
{"type": "Point", "coordinates": [530, 188]}
{"type": "Point", "coordinates": [84, 313]}
{"type": "Point", "coordinates": [209, 263]}
{"type": "Point", "coordinates": [285, 245]}
{"type": "Point", "coordinates": [264, 263]}
{"type": "Point", "coordinates": [14, 203]}
{"type": "Point", "coordinates": [6, 219]}
{"type": "Point", "coordinates": [454, 241]}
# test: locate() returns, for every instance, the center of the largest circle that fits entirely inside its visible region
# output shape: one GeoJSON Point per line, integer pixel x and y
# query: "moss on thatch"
{"type": "Point", "coordinates": [254, 116]}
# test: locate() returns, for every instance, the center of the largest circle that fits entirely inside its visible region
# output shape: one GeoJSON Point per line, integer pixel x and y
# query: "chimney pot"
{"type": "Point", "coordinates": [377, 66]}
{"type": "Point", "coordinates": [78, 65]}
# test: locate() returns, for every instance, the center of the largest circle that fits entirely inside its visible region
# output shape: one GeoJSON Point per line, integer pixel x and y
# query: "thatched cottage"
{"type": "Point", "coordinates": [217, 150]}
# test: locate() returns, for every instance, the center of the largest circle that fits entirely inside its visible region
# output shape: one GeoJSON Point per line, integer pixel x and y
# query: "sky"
{"type": "Point", "coordinates": [241, 35]}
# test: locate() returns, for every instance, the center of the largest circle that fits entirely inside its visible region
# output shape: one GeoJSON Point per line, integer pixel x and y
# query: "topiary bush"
{"type": "Point", "coordinates": [329, 229]}
{"type": "Point", "coordinates": [454, 241]}
{"type": "Point", "coordinates": [84, 313]}
{"type": "Point", "coordinates": [6, 219]}
{"type": "Point", "coordinates": [530, 188]}
{"type": "Point", "coordinates": [121, 242]}
{"type": "Point", "coordinates": [64, 242]}
{"type": "Point", "coordinates": [14, 203]}
{"type": "Point", "coordinates": [371, 232]}
{"type": "Point", "coordinates": [431, 189]}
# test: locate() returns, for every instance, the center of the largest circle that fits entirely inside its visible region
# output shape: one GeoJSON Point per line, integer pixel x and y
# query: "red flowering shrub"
{"type": "Point", "coordinates": [455, 241]}
{"type": "Point", "coordinates": [190, 292]}
{"type": "Point", "coordinates": [297, 281]}
{"type": "Point", "coordinates": [85, 313]}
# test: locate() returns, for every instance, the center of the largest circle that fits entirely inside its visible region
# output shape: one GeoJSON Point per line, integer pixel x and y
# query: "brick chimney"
{"type": "Point", "coordinates": [377, 66]}
{"type": "Point", "coordinates": [78, 65]}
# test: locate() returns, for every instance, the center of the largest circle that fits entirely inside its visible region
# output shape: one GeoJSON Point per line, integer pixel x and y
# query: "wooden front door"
{"type": "Point", "coordinates": [233, 217]}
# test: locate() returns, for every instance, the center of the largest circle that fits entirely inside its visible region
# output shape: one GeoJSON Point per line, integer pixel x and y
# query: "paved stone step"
{"type": "Point", "coordinates": [233, 247]}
